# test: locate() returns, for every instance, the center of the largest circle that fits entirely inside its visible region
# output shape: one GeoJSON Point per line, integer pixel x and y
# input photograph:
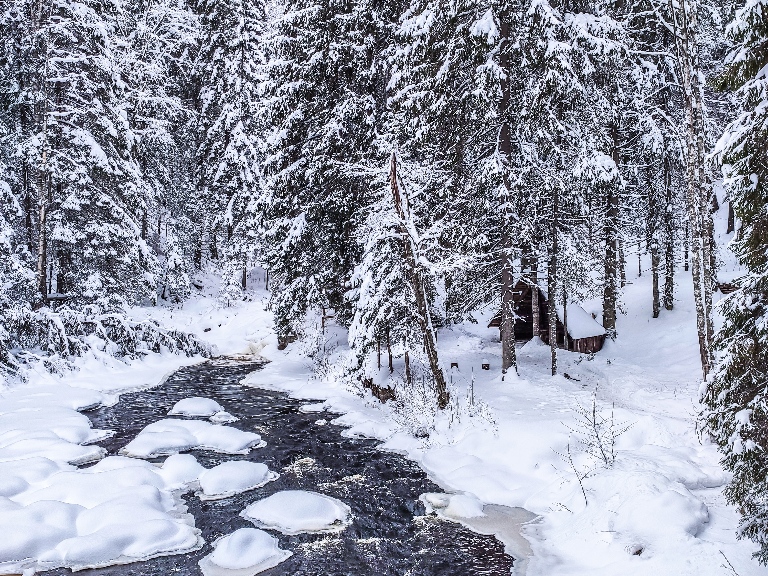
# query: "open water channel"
{"type": "Point", "coordinates": [389, 535]}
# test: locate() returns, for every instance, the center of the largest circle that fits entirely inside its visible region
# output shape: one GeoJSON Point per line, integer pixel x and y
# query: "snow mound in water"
{"type": "Point", "coordinates": [231, 478]}
{"type": "Point", "coordinates": [196, 406]}
{"type": "Point", "coordinates": [245, 552]}
{"type": "Point", "coordinates": [453, 506]}
{"type": "Point", "coordinates": [223, 418]}
{"type": "Point", "coordinates": [117, 511]}
{"type": "Point", "coordinates": [174, 436]}
{"type": "Point", "coordinates": [296, 511]}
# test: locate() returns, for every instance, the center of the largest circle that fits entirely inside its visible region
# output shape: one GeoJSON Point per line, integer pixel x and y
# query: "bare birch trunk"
{"type": "Point", "coordinates": [414, 275]}
{"type": "Point", "coordinates": [699, 216]}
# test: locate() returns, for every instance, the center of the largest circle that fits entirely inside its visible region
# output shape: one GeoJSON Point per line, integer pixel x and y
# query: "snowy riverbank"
{"type": "Point", "coordinates": [658, 509]}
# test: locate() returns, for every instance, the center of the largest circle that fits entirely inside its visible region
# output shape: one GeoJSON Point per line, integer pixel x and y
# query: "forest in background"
{"type": "Point", "coordinates": [399, 163]}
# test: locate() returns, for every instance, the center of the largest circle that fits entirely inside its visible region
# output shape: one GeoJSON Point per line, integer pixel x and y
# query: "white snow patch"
{"type": "Point", "coordinates": [296, 511]}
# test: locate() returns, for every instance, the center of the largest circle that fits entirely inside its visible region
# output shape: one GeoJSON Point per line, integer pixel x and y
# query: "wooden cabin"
{"type": "Point", "coordinates": [584, 335]}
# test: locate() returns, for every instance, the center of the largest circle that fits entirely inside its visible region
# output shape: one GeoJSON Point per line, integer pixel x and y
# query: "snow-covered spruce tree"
{"type": "Point", "coordinates": [457, 89]}
{"type": "Point", "coordinates": [157, 45]}
{"type": "Point", "coordinates": [557, 122]}
{"type": "Point", "coordinates": [327, 109]}
{"type": "Point", "coordinates": [79, 183]}
{"type": "Point", "coordinates": [658, 150]}
{"type": "Point", "coordinates": [16, 278]}
{"type": "Point", "coordinates": [230, 65]}
{"type": "Point", "coordinates": [737, 395]}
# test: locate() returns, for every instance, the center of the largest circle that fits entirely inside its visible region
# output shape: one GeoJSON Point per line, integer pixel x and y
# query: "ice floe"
{"type": "Point", "coordinates": [296, 511]}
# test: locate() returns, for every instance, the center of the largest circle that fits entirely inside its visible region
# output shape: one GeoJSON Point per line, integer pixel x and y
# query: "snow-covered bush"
{"type": "Point", "coordinates": [56, 337]}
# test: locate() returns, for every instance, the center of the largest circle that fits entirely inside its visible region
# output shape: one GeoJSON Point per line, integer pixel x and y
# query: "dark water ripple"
{"type": "Point", "coordinates": [389, 535]}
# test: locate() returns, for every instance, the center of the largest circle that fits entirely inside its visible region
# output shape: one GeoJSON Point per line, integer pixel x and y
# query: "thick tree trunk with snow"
{"type": "Point", "coordinates": [508, 357]}
{"type": "Point", "coordinates": [414, 274]}
{"type": "Point", "coordinates": [611, 235]}
{"type": "Point", "coordinates": [552, 284]}
{"type": "Point", "coordinates": [610, 275]}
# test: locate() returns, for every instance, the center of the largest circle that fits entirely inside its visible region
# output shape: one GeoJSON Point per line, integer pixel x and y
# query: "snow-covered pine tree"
{"type": "Point", "coordinates": [230, 65]}
{"type": "Point", "coordinates": [327, 106]}
{"type": "Point", "coordinates": [737, 395]}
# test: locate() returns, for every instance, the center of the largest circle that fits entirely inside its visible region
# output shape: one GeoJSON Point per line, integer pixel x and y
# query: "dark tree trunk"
{"type": "Point", "coordinates": [610, 233]}
{"type": "Point", "coordinates": [731, 218]}
{"type": "Point", "coordinates": [655, 262]}
{"type": "Point", "coordinates": [669, 250]}
{"type": "Point", "coordinates": [535, 312]}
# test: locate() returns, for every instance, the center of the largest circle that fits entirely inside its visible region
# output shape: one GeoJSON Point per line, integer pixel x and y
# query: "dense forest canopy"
{"type": "Point", "coordinates": [402, 163]}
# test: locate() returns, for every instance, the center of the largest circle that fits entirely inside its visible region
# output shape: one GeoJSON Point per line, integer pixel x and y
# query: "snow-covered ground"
{"type": "Point", "coordinates": [658, 509]}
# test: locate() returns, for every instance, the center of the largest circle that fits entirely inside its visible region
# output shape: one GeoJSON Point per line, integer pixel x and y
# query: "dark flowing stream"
{"type": "Point", "coordinates": [389, 534]}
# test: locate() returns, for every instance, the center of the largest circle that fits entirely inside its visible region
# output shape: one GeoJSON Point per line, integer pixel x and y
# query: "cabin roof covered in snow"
{"type": "Point", "coordinates": [580, 322]}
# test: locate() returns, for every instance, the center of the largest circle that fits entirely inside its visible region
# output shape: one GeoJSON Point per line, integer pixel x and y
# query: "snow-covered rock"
{"type": "Point", "coordinates": [296, 511]}
{"type": "Point", "coordinates": [234, 477]}
{"type": "Point", "coordinates": [453, 506]}
{"type": "Point", "coordinates": [223, 418]}
{"type": "Point", "coordinates": [119, 510]}
{"type": "Point", "coordinates": [196, 406]}
{"type": "Point", "coordinates": [173, 436]}
{"type": "Point", "coordinates": [245, 552]}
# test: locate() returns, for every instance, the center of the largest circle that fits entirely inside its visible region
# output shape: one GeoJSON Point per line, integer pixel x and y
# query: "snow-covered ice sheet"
{"type": "Point", "coordinates": [230, 478]}
{"type": "Point", "coordinates": [297, 511]}
{"type": "Point", "coordinates": [172, 436]}
{"type": "Point", "coordinates": [245, 552]}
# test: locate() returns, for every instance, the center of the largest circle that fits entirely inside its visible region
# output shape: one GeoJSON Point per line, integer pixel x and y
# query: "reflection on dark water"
{"type": "Point", "coordinates": [389, 534]}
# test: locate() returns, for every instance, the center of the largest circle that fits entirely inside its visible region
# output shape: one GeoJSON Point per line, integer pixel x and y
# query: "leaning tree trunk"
{"type": "Point", "coordinates": [699, 217]}
{"type": "Point", "coordinates": [414, 274]}
{"type": "Point", "coordinates": [508, 357]}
